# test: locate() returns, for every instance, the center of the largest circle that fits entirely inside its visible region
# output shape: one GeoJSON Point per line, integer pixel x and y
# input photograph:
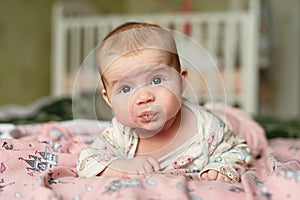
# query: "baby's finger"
{"type": "Point", "coordinates": [221, 176]}
{"type": "Point", "coordinates": [154, 163]}
{"type": "Point", "coordinates": [204, 176]}
{"type": "Point", "coordinates": [148, 168]}
{"type": "Point", "coordinates": [212, 174]}
{"type": "Point", "coordinates": [226, 178]}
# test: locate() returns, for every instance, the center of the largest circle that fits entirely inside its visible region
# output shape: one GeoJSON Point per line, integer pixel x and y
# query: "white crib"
{"type": "Point", "coordinates": [230, 38]}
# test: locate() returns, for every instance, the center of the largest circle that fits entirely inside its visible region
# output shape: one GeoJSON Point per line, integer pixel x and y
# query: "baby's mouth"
{"type": "Point", "coordinates": [148, 116]}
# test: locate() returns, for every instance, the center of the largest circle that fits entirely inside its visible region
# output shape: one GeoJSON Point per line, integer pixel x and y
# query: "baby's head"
{"type": "Point", "coordinates": [131, 38]}
{"type": "Point", "coordinates": [141, 74]}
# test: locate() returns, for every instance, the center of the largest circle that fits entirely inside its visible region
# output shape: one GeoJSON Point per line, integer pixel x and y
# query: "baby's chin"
{"type": "Point", "coordinates": [148, 130]}
{"type": "Point", "coordinates": [146, 133]}
{"type": "Point", "coordinates": [146, 126]}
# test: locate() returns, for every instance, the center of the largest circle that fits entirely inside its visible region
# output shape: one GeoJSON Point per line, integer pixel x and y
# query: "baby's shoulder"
{"type": "Point", "coordinates": [204, 114]}
{"type": "Point", "coordinates": [209, 123]}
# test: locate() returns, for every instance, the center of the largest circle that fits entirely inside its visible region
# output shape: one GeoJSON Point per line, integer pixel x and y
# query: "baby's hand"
{"type": "Point", "coordinates": [142, 164]}
{"type": "Point", "coordinates": [128, 168]}
{"type": "Point", "coordinates": [211, 175]}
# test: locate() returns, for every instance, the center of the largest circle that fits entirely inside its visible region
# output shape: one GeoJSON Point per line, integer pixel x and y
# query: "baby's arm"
{"type": "Point", "coordinates": [127, 168]}
{"type": "Point", "coordinates": [228, 154]}
{"type": "Point", "coordinates": [244, 125]}
{"type": "Point", "coordinates": [103, 159]}
{"type": "Point", "coordinates": [230, 158]}
{"type": "Point", "coordinates": [95, 158]}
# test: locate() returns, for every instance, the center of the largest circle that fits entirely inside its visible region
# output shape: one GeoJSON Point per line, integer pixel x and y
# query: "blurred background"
{"type": "Point", "coordinates": [25, 48]}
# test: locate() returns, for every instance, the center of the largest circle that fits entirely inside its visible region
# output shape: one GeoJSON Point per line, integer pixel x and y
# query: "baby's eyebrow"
{"type": "Point", "coordinates": [113, 83]}
{"type": "Point", "coordinates": [119, 79]}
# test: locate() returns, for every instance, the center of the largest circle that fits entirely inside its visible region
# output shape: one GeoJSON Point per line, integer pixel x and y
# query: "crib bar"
{"type": "Point", "coordinates": [101, 32]}
{"type": "Point", "coordinates": [88, 40]}
{"type": "Point", "coordinates": [196, 32]}
{"type": "Point", "coordinates": [250, 35]}
{"type": "Point", "coordinates": [58, 52]}
{"type": "Point", "coordinates": [75, 50]}
{"type": "Point", "coordinates": [212, 35]}
{"type": "Point", "coordinates": [230, 60]}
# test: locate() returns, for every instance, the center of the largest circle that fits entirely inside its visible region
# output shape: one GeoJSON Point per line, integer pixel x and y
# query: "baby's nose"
{"type": "Point", "coordinates": [144, 96]}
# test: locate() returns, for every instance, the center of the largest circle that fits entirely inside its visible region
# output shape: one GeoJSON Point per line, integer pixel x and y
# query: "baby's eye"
{"type": "Point", "coordinates": [125, 89]}
{"type": "Point", "coordinates": [156, 81]}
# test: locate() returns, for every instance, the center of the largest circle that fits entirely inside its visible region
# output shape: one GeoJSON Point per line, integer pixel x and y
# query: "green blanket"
{"type": "Point", "coordinates": [61, 110]}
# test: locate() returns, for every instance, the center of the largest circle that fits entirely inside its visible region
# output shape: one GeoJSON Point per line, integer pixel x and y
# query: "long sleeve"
{"type": "Point", "coordinates": [114, 143]}
{"type": "Point", "coordinates": [95, 159]}
{"type": "Point", "coordinates": [228, 154]}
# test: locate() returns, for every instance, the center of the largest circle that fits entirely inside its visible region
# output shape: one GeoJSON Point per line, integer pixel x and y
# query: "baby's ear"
{"type": "Point", "coordinates": [184, 72]}
{"type": "Point", "coordinates": [184, 75]}
{"type": "Point", "coordinates": [105, 97]}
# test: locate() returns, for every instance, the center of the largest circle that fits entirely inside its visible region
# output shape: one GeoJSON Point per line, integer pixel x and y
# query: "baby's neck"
{"type": "Point", "coordinates": [174, 134]}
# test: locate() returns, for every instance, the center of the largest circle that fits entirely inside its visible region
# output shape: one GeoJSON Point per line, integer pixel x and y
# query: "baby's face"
{"type": "Point", "coordinates": [144, 89]}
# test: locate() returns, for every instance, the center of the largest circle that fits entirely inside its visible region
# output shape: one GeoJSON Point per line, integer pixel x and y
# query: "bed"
{"type": "Point", "coordinates": [40, 143]}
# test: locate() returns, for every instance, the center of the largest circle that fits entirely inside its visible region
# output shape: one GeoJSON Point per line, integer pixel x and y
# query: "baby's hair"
{"type": "Point", "coordinates": [132, 37]}
{"type": "Point", "coordinates": [129, 25]}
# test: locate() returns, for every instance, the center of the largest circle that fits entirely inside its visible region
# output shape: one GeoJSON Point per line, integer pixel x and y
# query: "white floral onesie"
{"type": "Point", "coordinates": [213, 147]}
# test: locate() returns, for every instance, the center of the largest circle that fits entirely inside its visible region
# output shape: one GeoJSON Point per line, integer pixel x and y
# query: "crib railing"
{"type": "Point", "coordinates": [230, 38]}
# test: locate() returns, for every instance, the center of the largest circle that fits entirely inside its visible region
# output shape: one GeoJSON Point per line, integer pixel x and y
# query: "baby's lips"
{"type": "Point", "coordinates": [147, 116]}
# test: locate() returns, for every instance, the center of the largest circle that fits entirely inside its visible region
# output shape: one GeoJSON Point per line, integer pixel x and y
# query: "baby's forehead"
{"type": "Point", "coordinates": [146, 51]}
{"type": "Point", "coordinates": [139, 58]}
{"type": "Point", "coordinates": [134, 41]}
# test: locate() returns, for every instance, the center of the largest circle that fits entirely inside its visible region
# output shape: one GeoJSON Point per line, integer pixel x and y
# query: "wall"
{"type": "Point", "coordinates": [24, 50]}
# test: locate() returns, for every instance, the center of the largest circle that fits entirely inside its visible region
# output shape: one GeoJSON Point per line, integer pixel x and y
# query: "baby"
{"type": "Point", "coordinates": [154, 128]}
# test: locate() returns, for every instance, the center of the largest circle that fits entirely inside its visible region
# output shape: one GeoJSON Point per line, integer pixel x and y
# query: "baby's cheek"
{"type": "Point", "coordinates": [121, 112]}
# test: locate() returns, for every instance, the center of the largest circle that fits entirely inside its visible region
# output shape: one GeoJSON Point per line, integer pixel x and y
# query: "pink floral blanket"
{"type": "Point", "coordinates": [39, 162]}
